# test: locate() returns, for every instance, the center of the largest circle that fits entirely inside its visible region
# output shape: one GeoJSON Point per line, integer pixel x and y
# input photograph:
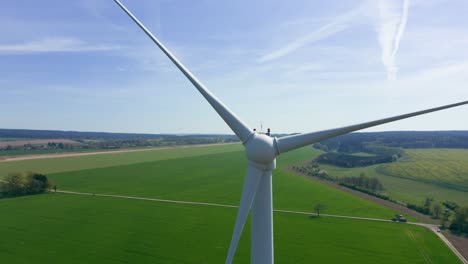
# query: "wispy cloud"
{"type": "Point", "coordinates": [454, 71]}
{"type": "Point", "coordinates": [49, 45]}
{"type": "Point", "coordinates": [338, 24]}
{"type": "Point", "coordinates": [392, 24]}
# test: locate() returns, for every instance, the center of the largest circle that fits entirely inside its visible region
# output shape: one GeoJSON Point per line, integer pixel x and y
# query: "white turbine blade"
{"type": "Point", "coordinates": [248, 194]}
{"type": "Point", "coordinates": [296, 141]}
{"type": "Point", "coordinates": [234, 122]}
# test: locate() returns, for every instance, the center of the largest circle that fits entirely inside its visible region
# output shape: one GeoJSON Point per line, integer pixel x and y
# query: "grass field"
{"type": "Point", "coordinates": [195, 179]}
{"type": "Point", "coordinates": [445, 167]}
{"type": "Point", "coordinates": [22, 152]}
{"type": "Point", "coordinates": [75, 229]}
{"type": "Point", "coordinates": [55, 228]}
{"type": "Point", "coordinates": [438, 173]}
{"type": "Point", "coordinates": [108, 160]}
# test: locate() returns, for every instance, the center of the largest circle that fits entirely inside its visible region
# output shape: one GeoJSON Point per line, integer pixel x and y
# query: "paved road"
{"type": "Point", "coordinates": [459, 255]}
{"type": "Point", "coordinates": [430, 226]}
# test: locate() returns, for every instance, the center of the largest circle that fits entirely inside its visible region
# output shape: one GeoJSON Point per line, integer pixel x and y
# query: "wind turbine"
{"type": "Point", "coordinates": [261, 151]}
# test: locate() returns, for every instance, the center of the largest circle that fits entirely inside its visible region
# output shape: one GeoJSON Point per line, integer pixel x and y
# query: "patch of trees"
{"type": "Point", "coordinates": [370, 183]}
{"type": "Point", "coordinates": [17, 184]}
{"type": "Point", "coordinates": [313, 169]}
{"type": "Point", "coordinates": [367, 191]}
{"type": "Point", "coordinates": [363, 183]}
{"type": "Point", "coordinates": [350, 161]}
{"type": "Point", "coordinates": [451, 205]}
{"type": "Point", "coordinates": [428, 207]}
{"type": "Point", "coordinates": [436, 210]}
{"type": "Point", "coordinates": [460, 221]}
{"type": "Point", "coordinates": [419, 208]}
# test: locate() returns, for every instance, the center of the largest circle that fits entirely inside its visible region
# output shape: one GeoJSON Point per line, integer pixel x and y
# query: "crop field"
{"type": "Point", "coordinates": [75, 229]}
{"type": "Point", "coordinates": [445, 167]}
{"type": "Point", "coordinates": [194, 179]}
{"type": "Point", "coordinates": [92, 229]}
{"type": "Point", "coordinates": [111, 159]}
{"type": "Point", "coordinates": [438, 173]}
{"type": "Point", "coordinates": [23, 152]}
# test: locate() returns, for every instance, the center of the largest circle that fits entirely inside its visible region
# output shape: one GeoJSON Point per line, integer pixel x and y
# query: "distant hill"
{"type": "Point", "coordinates": [349, 143]}
{"type": "Point", "coordinates": [371, 141]}
{"type": "Point", "coordinates": [53, 134]}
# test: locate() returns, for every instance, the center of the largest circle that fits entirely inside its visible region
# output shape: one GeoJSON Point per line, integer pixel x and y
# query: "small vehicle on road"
{"type": "Point", "coordinates": [399, 218]}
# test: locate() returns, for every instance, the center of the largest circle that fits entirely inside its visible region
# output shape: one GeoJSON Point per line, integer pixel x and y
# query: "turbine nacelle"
{"type": "Point", "coordinates": [261, 149]}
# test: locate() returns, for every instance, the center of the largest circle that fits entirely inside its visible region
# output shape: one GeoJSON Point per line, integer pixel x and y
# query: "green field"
{"type": "Point", "coordinates": [444, 167]}
{"type": "Point", "coordinates": [22, 152]}
{"type": "Point", "coordinates": [108, 160]}
{"type": "Point", "coordinates": [85, 229]}
{"type": "Point", "coordinates": [363, 154]}
{"type": "Point", "coordinates": [438, 173]}
{"type": "Point", "coordinates": [58, 228]}
{"type": "Point", "coordinates": [195, 179]}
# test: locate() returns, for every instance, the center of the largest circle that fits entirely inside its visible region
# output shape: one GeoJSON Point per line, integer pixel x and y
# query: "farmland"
{"type": "Point", "coordinates": [167, 179]}
{"type": "Point", "coordinates": [438, 173]}
{"type": "Point", "coordinates": [111, 230]}
{"type": "Point", "coordinates": [108, 160]}
{"type": "Point", "coordinates": [80, 229]}
{"type": "Point", "coordinates": [444, 167]}
{"type": "Point", "coordinates": [18, 142]}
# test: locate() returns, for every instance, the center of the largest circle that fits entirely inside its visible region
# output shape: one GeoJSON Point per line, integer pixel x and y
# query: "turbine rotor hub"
{"type": "Point", "coordinates": [261, 149]}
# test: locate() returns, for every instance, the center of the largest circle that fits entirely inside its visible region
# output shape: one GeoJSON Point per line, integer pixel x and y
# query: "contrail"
{"type": "Point", "coordinates": [338, 24]}
{"type": "Point", "coordinates": [401, 28]}
{"type": "Point", "coordinates": [392, 26]}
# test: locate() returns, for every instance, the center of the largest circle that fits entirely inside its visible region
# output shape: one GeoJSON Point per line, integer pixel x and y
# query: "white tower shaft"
{"type": "Point", "coordinates": [262, 222]}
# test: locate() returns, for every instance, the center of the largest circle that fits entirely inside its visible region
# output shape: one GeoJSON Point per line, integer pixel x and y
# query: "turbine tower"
{"type": "Point", "coordinates": [261, 151]}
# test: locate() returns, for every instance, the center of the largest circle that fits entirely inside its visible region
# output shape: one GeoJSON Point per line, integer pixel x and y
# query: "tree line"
{"type": "Point", "coordinates": [362, 183]}
{"type": "Point", "coordinates": [392, 141]}
{"type": "Point", "coordinates": [460, 221]}
{"type": "Point", "coordinates": [18, 184]}
{"type": "Point", "coordinates": [451, 215]}
{"type": "Point", "coordinates": [350, 161]}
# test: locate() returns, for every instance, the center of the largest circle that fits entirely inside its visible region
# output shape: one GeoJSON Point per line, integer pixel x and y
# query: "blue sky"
{"type": "Point", "coordinates": [295, 66]}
